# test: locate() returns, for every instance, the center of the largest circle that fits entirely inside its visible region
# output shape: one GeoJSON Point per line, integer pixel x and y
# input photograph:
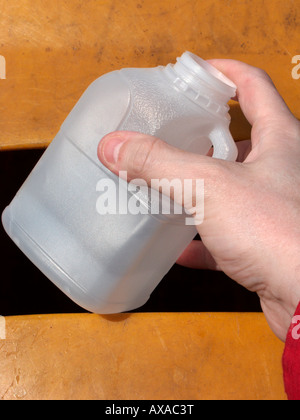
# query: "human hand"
{"type": "Point", "coordinates": [251, 227]}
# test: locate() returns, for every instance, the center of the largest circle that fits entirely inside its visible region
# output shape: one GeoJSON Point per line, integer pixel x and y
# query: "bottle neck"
{"type": "Point", "coordinates": [202, 83]}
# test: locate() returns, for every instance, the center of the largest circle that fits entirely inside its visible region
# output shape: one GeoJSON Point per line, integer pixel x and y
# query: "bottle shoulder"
{"type": "Point", "coordinates": [155, 86]}
{"type": "Point", "coordinates": [101, 108]}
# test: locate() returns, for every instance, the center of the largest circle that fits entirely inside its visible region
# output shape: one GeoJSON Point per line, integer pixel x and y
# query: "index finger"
{"type": "Point", "coordinates": [256, 92]}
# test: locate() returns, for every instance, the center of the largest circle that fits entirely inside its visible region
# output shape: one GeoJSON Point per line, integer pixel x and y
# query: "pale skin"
{"type": "Point", "coordinates": [251, 227]}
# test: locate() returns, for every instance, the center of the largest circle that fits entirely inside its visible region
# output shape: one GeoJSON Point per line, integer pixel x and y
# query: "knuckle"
{"type": "Point", "coordinates": [143, 156]}
{"type": "Point", "coordinates": [263, 75]}
{"type": "Point", "coordinates": [257, 75]}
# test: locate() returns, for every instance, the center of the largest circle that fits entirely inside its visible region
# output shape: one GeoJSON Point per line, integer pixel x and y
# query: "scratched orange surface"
{"type": "Point", "coordinates": [141, 356]}
{"type": "Point", "coordinates": [55, 49]}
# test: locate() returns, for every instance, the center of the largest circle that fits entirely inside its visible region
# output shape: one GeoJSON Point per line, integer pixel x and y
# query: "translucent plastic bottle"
{"type": "Point", "coordinates": [111, 263]}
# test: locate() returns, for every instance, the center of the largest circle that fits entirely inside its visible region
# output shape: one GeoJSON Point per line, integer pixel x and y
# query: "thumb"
{"type": "Point", "coordinates": [149, 158]}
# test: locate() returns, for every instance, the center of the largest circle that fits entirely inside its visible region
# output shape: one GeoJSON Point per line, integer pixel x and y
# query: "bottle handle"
{"type": "Point", "coordinates": [224, 145]}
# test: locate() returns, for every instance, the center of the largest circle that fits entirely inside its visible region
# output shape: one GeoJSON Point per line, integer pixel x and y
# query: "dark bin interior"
{"type": "Point", "coordinates": [25, 290]}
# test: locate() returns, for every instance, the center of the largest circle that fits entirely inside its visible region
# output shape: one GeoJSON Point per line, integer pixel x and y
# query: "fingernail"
{"type": "Point", "coordinates": [111, 148]}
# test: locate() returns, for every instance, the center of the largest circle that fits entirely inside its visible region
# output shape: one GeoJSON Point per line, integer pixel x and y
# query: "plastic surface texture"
{"type": "Point", "coordinates": [112, 262]}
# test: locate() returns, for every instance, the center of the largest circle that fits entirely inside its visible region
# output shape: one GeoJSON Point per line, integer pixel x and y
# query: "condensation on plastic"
{"type": "Point", "coordinates": [111, 263]}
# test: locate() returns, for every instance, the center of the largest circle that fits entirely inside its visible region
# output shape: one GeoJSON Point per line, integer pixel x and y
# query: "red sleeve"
{"type": "Point", "coordinates": [291, 359]}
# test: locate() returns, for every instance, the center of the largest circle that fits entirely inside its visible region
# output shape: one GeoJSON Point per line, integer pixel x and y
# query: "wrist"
{"type": "Point", "coordinates": [281, 299]}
